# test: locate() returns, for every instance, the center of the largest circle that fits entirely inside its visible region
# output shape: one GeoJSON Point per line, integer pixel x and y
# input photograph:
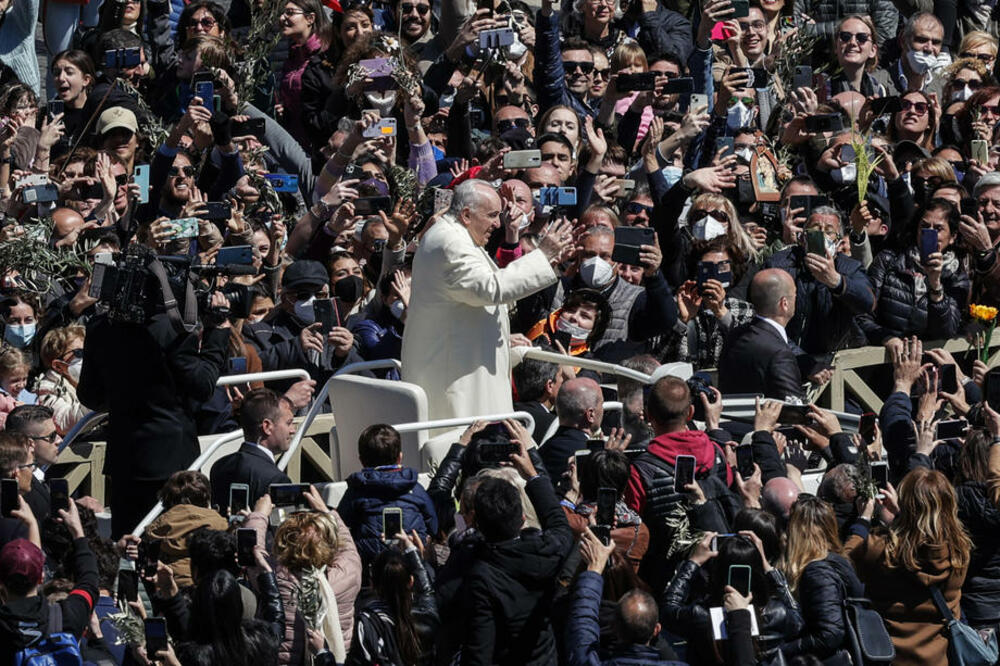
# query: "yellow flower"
{"type": "Point", "coordinates": [983, 313]}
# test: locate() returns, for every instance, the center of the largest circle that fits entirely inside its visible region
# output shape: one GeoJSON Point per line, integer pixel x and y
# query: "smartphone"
{"type": "Point", "coordinates": [758, 77]}
{"type": "Point", "coordinates": [677, 86]}
{"type": "Point", "coordinates": [803, 77]}
{"type": "Point", "coordinates": [284, 182]}
{"type": "Point", "coordinates": [880, 474]}
{"type": "Point", "coordinates": [493, 453]}
{"type": "Point", "coordinates": [826, 122]}
{"type": "Point", "coordinates": [255, 127]}
{"type": "Point", "coordinates": [883, 105]}
{"type": "Point", "coordinates": [953, 429]}
{"type": "Point", "coordinates": [992, 382]}
{"type": "Point", "coordinates": [603, 533]}
{"type": "Point", "coordinates": [847, 153]}
{"type": "Point", "coordinates": [563, 338]}
{"type": "Point", "coordinates": [217, 210]}
{"type": "Point", "coordinates": [122, 58]}
{"type": "Point", "coordinates": [287, 494]}
{"type": "Point", "coordinates": [816, 242]}
{"type": "Point", "coordinates": [698, 100]}
{"type": "Point", "coordinates": [866, 426]}
{"type": "Point", "coordinates": [794, 415]}
{"type": "Point", "coordinates": [140, 176]}
{"type": "Point", "coordinates": [625, 187]}
{"type": "Point", "coordinates": [628, 242]}
{"type": "Point", "coordinates": [714, 546]}
{"type": "Point", "coordinates": [206, 91]}
{"type": "Point", "coordinates": [234, 255]}
{"type": "Point", "coordinates": [807, 202]}
{"type": "Point", "coordinates": [522, 159]}
{"type": "Point", "coordinates": [980, 151]}
{"type": "Point", "coordinates": [495, 38]}
{"type": "Point", "coordinates": [371, 205]}
{"type": "Point", "coordinates": [392, 521]}
{"type": "Point", "coordinates": [683, 473]}
{"type": "Point", "coordinates": [741, 8]}
{"type": "Point", "coordinates": [55, 107]}
{"type": "Point", "coordinates": [246, 541]}
{"type": "Point", "coordinates": [59, 494]}
{"type": "Point", "coordinates": [739, 578]}
{"type": "Point", "coordinates": [606, 500]}
{"type": "Point", "coordinates": [185, 227]}
{"type": "Point", "coordinates": [380, 70]}
{"type": "Point", "coordinates": [44, 194]}
{"type": "Point", "coordinates": [8, 497]}
{"type": "Point", "coordinates": [555, 196]}
{"type": "Point", "coordinates": [325, 314]}
{"type": "Point", "coordinates": [156, 635]}
{"type": "Point", "coordinates": [970, 207]}
{"type": "Point", "coordinates": [442, 199]}
{"type": "Point", "coordinates": [149, 555]}
{"type": "Point", "coordinates": [384, 127]}
{"type": "Point", "coordinates": [637, 81]}
{"type": "Point", "coordinates": [239, 494]}
{"type": "Point", "coordinates": [726, 142]}
{"type": "Point", "coordinates": [928, 243]}
{"type": "Point", "coordinates": [744, 461]}
{"type": "Point", "coordinates": [948, 378]}
{"type": "Point", "coordinates": [128, 585]}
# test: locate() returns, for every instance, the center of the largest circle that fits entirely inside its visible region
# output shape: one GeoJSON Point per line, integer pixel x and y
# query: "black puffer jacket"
{"type": "Point", "coordinates": [822, 589]}
{"type": "Point", "coordinates": [981, 518]}
{"type": "Point", "coordinates": [682, 613]}
{"type": "Point", "coordinates": [899, 311]}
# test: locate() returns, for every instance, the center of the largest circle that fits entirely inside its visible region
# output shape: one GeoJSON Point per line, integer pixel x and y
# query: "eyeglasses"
{"type": "Point", "coordinates": [206, 22]}
{"type": "Point", "coordinates": [510, 123]}
{"type": "Point", "coordinates": [635, 208]}
{"type": "Point", "coordinates": [754, 25]}
{"type": "Point", "coordinates": [861, 37]}
{"type": "Point", "coordinates": [188, 171]}
{"type": "Point", "coordinates": [974, 84]}
{"type": "Point", "coordinates": [696, 215]}
{"type": "Point", "coordinates": [602, 73]}
{"type": "Point", "coordinates": [407, 7]}
{"type": "Point", "coordinates": [920, 108]}
{"type": "Point", "coordinates": [288, 13]}
{"type": "Point", "coordinates": [32, 466]}
{"type": "Point", "coordinates": [75, 353]}
{"type": "Point", "coordinates": [571, 66]}
{"type": "Point", "coordinates": [982, 57]}
{"type": "Point", "coordinates": [50, 438]}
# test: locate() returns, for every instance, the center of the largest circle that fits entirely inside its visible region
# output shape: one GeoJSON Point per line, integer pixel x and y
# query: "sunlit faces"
{"type": "Point", "coordinates": [71, 83]}
{"type": "Point", "coordinates": [356, 24]}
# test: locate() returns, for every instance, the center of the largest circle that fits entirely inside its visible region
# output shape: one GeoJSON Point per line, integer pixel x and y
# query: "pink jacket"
{"type": "Point", "coordinates": [345, 579]}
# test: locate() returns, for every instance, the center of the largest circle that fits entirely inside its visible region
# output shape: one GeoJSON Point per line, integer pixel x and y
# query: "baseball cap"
{"type": "Point", "coordinates": [117, 117]}
{"type": "Point", "coordinates": [21, 558]}
{"type": "Point", "coordinates": [305, 273]}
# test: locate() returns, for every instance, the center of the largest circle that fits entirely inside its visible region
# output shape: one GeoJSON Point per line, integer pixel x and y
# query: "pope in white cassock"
{"type": "Point", "coordinates": [456, 341]}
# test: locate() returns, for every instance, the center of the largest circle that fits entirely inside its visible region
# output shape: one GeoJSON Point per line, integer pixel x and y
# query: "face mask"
{"type": "Point", "coordinates": [845, 174]}
{"type": "Point", "coordinates": [438, 153]}
{"type": "Point", "coordinates": [524, 222]}
{"type": "Point", "coordinates": [20, 335]}
{"type": "Point", "coordinates": [921, 62]}
{"type": "Point", "coordinates": [672, 174]}
{"type": "Point", "coordinates": [961, 95]}
{"type": "Point", "coordinates": [448, 99]}
{"type": "Point", "coordinates": [397, 309]}
{"type": "Point", "coordinates": [831, 248]}
{"type": "Point", "coordinates": [595, 272]}
{"type": "Point", "coordinates": [575, 332]}
{"type": "Point", "coordinates": [349, 289]}
{"type": "Point", "coordinates": [517, 48]}
{"type": "Point", "coordinates": [708, 228]}
{"type": "Point", "coordinates": [383, 101]}
{"type": "Point", "coordinates": [74, 368]}
{"type": "Point", "coordinates": [744, 154]}
{"type": "Point", "coordinates": [739, 116]}
{"type": "Point", "coordinates": [304, 310]}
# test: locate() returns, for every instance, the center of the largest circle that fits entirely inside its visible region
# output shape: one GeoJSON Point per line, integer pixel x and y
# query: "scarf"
{"type": "Point", "coordinates": [329, 620]}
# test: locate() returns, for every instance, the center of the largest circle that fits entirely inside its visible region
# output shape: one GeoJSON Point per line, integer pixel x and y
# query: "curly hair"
{"type": "Point", "coordinates": [306, 540]}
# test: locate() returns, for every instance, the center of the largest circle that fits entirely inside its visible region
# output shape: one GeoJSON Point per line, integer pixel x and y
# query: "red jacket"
{"type": "Point", "coordinates": [667, 447]}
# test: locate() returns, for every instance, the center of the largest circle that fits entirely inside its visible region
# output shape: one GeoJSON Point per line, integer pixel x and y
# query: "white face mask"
{"type": "Point", "coordinates": [744, 154]}
{"type": "Point", "coordinates": [382, 100]}
{"type": "Point", "coordinates": [517, 48]}
{"type": "Point", "coordinates": [304, 310]}
{"type": "Point", "coordinates": [672, 174]}
{"type": "Point", "coordinates": [708, 228]}
{"type": "Point", "coordinates": [74, 368]}
{"type": "Point", "coordinates": [595, 272]}
{"type": "Point", "coordinates": [921, 62]}
{"type": "Point", "coordinates": [524, 222]}
{"type": "Point", "coordinates": [397, 309]}
{"type": "Point", "coordinates": [845, 174]}
{"type": "Point", "coordinates": [961, 95]}
{"type": "Point", "coordinates": [575, 332]}
{"type": "Point", "coordinates": [739, 116]}
{"type": "Point", "coordinates": [831, 248]}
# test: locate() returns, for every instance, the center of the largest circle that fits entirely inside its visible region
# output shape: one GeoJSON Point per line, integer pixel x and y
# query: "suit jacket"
{"type": "Point", "coordinates": [755, 359]}
{"type": "Point", "coordinates": [249, 465]}
{"type": "Point", "coordinates": [557, 450]}
{"type": "Point", "coordinates": [38, 499]}
{"type": "Point", "coordinates": [543, 417]}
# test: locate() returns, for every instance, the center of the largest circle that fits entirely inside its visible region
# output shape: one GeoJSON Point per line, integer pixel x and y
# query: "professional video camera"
{"type": "Point", "coordinates": [136, 283]}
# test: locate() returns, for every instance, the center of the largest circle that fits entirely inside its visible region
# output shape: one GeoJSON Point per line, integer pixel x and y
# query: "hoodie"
{"type": "Point", "coordinates": [174, 527]}
{"type": "Point", "coordinates": [667, 447]}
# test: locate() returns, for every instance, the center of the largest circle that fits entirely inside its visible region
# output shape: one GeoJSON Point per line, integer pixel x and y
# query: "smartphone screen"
{"type": "Point", "coordinates": [928, 243]}
{"type": "Point", "coordinates": [128, 585]}
{"type": "Point", "coordinates": [948, 378]}
{"type": "Point", "coordinates": [739, 578]}
{"type": "Point", "coordinates": [880, 475]}
{"type": "Point", "coordinates": [239, 497]}
{"type": "Point", "coordinates": [392, 522]}
{"type": "Point", "coordinates": [149, 555]}
{"type": "Point", "coordinates": [744, 461]}
{"type": "Point", "coordinates": [8, 497]}
{"type": "Point", "coordinates": [606, 498]}
{"type": "Point", "coordinates": [953, 429]}
{"type": "Point", "coordinates": [866, 427]}
{"type": "Point", "coordinates": [683, 473]}
{"type": "Point", "coordinates": [156, 635]}
{"type": "Point", "coordinates": [246, 541]}
{"type": "Point", "coordinates": [59, 494]}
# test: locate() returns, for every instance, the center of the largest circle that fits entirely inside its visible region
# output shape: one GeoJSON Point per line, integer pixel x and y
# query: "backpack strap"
{"type": "Point", "coordinates": [940, 603]}
{"type": "Point", "coordinates": [55, 624]}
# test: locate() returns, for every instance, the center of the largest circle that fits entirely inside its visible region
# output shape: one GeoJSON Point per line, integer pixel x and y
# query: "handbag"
{"type": "Point", "coordinates": [867, 638]}
{"type": "Point", "coordinates": [966, 647]}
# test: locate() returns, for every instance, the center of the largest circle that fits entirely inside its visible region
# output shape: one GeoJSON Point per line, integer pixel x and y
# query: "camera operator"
{"type": "Point", "coordinates": [151, 376]}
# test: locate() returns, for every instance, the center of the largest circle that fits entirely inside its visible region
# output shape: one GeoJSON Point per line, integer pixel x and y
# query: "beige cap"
{"type": "Point", "coordinates": [116, 117]}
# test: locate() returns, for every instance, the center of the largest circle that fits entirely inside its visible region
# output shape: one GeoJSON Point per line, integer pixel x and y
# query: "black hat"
{"type": "Point", "coordinates": [518, 139]}
{"type": "Point", "coordinates": [305, 273]}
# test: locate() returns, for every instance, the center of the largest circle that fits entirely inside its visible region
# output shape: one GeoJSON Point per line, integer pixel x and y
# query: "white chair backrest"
{"type": "Point", "coordinates": [358, 402]}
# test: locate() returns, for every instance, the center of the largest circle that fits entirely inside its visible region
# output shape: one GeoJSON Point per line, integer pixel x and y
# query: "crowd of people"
{"type": "Point", "coordinates": [719, 195]}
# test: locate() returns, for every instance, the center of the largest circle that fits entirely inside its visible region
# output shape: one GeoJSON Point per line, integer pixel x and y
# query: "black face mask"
{"type": "Point", "coordinates": [349, 289]}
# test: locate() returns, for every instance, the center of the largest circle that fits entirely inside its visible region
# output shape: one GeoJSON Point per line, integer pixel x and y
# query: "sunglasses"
{"type": "Point", "coordinates": [747, 101]}
{"type": "Point", "coordinates": [974, 84]}
{"type": "Point", "coordinates": [861, 37]}
{"type": "Point", "coordinates": [407, 7]}
{"type": "Point", "coordinates": [205, 22]}
{"type": "Point", "coordinates": [992, 109]}
{"type": "Point", "coordinates": [121, 180]}
{"type": "Point", "coordinates": [188, 171]}
{"type": "Point", "coordinates": [571, 66]}
{"type": "Point", "coordinates": [50, 438]}
{"type": "Point", "coordinates": [510, 123]}
{"type": "Point", "coordinates": [982, 57]}
{"type": "Point", "coordinates": [634, 208]}
{"type": "Point", "coordinates": [920, 108]}
{"type": "Point", "coordinates": [603, 73]}
{"type": "Point", "coordinates": [699, 214]}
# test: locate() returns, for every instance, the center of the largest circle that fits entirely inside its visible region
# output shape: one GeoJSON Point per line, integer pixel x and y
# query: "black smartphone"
{"type": "Point", "coordinates": [970, 207]}
{"type": "Point", "coordinates": [866, 426]}
{"type": "Point", "coordinates": [803, 77]}
{"type": "Point", "coordinates": [637, 81]}
{"type": "Point", "coordinates": [992, 383]}
{"type": "Point", "coordinates": [628, 242]}
{"type": "Point", "coordinates": [325, 314]}
{"type": "Point", "coordinates": [8, 497]}
{"type": "Point", "coordinates": [246, 541]}
{"type": "Point", "coordinates": [741, 8]}
{"type": "Point", "coordinates": [371, 205]}
{"type": "Point", "coordinates": [953, 429]}
{"type": "Point", "coordinates": [928, 243]}
{"type": "Point", "coordinates": [683, 473]}
{"type": "Point", "coordinates": [758, 77]}
{"type": "Point", "coordinates": [595, 445]}
{"type": "Point", "coordinates": [682, 84]}
{"type": "Point", "coordinates": [493, 453]}
{"type": "Point", "coordinates": [794, 415]}
{"type": "Point", "coordinates": [807, 202]}
{"type": "Point", "coordinates": [250, 127]}
{"type": "Point", "coordinates": [948, 378]}
{"type": "Point", "coordinates": [392, 521]}
{"type": "Point", "coordinates": [714, 546]}
{"type": "Point", "coordinates": [726, 142]}
{"type": "Point", "coordinates": [287, 494]}
{"type": "Point", "coordinates": [826, 122]}
{"type": "Point", "coordinates": [816, 242]}
{"type": "Point", "coordinates": [606, 499]}
{"type": "Point", "coordinates": [563, 338]}
{"type": "Point", "coordinates": [239, 497]}
{"type": "Point", "coordinates": [156, 635]}
{"type": "Point", "coordinates": [739, 578]}
{"type": "Point", "coordinates": [880, 474]}
{"type": "Point", "coordinates": [744, 461]}
{"type": "Point", "coordinates": [149, 555]}
{"type": "Point", "coordinates": [59, 494]}
{"type": "Point", "coordinates": [883, 105]}
{"type": "Point", "coordinates": [55, 107]}
{"type": "Point", "coordinates": [128, 586]}
{"type": "Point", "coordinates": [603, 533]}
{"type": "Point", "coordinates": [217, 210]}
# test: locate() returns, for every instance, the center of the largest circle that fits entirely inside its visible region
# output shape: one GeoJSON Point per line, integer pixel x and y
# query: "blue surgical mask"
{"type": "Point", "coordinates": [672, 174]}
{"type": "Point", "coordinates": [438, 153]}
{"type": "Point", "coordinates": [19, 335]}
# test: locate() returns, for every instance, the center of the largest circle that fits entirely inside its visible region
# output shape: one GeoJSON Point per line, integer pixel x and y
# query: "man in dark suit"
{"type": "Point", "coordinates": [757, 357]}
{"type": "Point", "coordinates": [266, 419]}
{"type": "Point", "coordinates": [537, 384]}
{"type": "Point", "coordinates": [35, 422]}
{"type": "Point", "coordinates": [580, 408]}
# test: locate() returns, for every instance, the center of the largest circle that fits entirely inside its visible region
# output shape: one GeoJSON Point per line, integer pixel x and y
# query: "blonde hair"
{"type": "Point", "coordinates": [967, 63]}
{"type": "Point", "coordinates": [12, 359]}
{"type": "Point", "coordinates": [56, 341]}
{"type": "Point", "coordinates": [812, 535]}
{"type": "Point", "coordinates": [627, 54]}
{"type": "Point", "coordinates": [306, 539]}
{"type": "Point", "coordinates": [872, 62]}
{"type": "Point", "coordinates": [978, 38]}
{"type": "Point", "coordinates": [928, 517]}
{"type": "Point", "coordinates": [937, 166]}
{"type": "Point", "coordinates": [738, 236]}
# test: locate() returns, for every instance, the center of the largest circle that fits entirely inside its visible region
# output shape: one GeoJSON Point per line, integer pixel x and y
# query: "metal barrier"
{"type": "Point", "coordinates": [269, 376]}
{"type": "Point", "coordinates": [587, 363]}
{"type": "Point", "coordinates": [528, 419]}
{"type": "Point", "coordinates": [89, 421]}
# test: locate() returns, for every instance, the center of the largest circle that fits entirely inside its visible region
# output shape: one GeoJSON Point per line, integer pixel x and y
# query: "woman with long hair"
{"type": "Point", "coordinates": [925, 546]}
{"type": "Point", "coordinates": [305, 25]}
{"type": "Point", "coordinates": [917, 121]}
{"type": "Point", "coordinates": [821, 578]}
